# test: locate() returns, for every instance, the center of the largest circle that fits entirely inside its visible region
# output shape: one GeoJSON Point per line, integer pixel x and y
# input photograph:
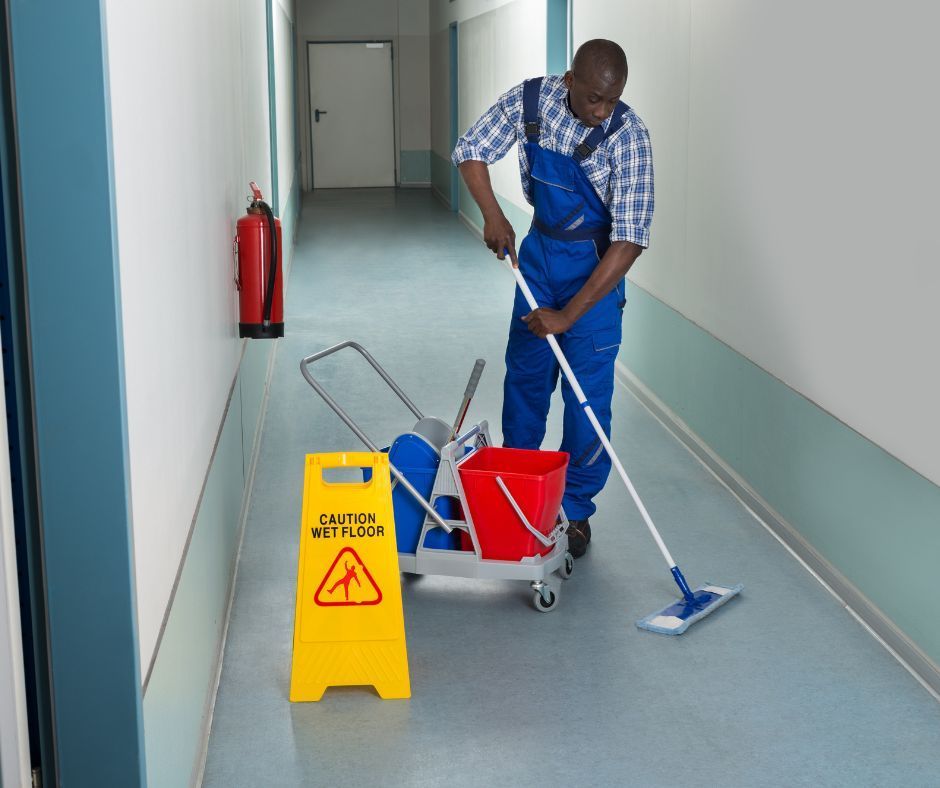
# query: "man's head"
{"type": "Point", "coordinates": [597, 78]}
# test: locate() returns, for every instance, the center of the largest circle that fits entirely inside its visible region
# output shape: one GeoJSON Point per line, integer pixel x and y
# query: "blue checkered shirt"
{"type": "Point", "coordinates": [621, 169]}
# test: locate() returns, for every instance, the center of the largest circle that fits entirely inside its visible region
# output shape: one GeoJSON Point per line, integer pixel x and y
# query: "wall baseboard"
{"type": "Point", "coordinates": [209, 712]}
{"type": "Point", "coordinates": [856, 603]}
{"type": "Point", "coordinates": [470, 225]}
{"type": "Point", "coordinates": [442, 198]}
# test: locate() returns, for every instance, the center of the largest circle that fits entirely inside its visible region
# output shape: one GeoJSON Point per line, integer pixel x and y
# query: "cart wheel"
{"type": "Point", "coordinates": [541, 605]}
{"type": "Point", "coordinates": [567, 568]}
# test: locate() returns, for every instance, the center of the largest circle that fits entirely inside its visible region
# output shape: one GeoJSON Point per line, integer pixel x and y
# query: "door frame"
{"type": "Point", "coordinates": [77, 404]}
{"type": "Point", "coordinates": [453, 42]}
{"type": "Point", "coordinates": [309, 104]}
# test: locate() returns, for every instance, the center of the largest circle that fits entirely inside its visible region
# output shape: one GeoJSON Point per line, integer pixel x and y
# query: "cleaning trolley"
{"type": "Point", "coordinates": [465, 508]}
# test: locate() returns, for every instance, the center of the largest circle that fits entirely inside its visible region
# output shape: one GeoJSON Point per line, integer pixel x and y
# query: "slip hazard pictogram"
{"type": "Point", "coordinates": [347, 582]}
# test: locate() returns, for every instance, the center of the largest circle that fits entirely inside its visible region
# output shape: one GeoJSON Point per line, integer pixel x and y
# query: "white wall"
{"type": "Point", "coordinates": [189, 107]}
{"type": "Point", "coordinates": [405, 24]}
{"type": "Point", "coordinates": [414, 107]}
{"type": "Point", "coordinates": [803, 135]}
{"type": "Point", "coordinates": [284, 90]}
{"type": "Point", "coordinates": [499, 45]}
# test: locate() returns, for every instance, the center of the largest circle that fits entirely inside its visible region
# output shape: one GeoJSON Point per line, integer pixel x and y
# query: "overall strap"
{"type": "Point", "coordinates": [598, 135]}
{"type": "Point", "coordinates": [530, 108]}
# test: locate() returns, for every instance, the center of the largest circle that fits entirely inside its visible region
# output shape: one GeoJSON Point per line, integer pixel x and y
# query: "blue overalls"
{"type": "Point", "coordinates": [568, 237]}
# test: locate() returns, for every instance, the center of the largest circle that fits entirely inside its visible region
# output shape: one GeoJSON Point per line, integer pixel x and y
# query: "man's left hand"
{"type": "Point", "coordinates": [544, 321]}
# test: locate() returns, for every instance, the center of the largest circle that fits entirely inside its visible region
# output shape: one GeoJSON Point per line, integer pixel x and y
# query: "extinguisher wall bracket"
{"type": "Point", "coordinates": [238, 281]}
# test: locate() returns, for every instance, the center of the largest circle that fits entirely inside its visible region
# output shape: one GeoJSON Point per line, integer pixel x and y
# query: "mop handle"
{"type": "Point", "coordinates": [579, 393]}
{"type": "Point", "coordinates": [467, 396]}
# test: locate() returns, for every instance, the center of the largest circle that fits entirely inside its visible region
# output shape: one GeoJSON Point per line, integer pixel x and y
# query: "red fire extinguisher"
{"type": "Point", "coordinates": [258, 259]}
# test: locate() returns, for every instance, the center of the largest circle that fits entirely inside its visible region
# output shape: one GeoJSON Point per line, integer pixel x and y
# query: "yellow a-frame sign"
{"type": "Point", "coordinates": [348, 626]}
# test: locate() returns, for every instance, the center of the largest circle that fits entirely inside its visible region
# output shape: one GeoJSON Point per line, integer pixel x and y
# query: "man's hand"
{"type": "Point", "coordinates": [544, 321]}
{"type": "Point", "coordinates": [499, 237]}
{"type": "Point", "coordinates": [498, 234]}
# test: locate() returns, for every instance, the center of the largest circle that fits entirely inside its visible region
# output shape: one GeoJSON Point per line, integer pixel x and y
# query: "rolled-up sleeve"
{"type": "Point", "coordinates": [631, 188]}
{"type": "Point", "coordinates": [494, 134]}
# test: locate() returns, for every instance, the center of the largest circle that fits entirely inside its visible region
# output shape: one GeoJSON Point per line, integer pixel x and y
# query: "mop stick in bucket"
{"type": "Point", "coordinates": [677, 617]}
{"type": "Point", "coordinates": [467, 396]}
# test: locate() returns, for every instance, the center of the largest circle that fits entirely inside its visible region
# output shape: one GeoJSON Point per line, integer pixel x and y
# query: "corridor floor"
{"type": "Point", "coordinates": [781, 687]}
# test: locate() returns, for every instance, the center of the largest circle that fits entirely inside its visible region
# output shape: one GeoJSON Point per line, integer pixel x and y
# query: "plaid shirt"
{"type": "Point", "coordinates": [621, 169]}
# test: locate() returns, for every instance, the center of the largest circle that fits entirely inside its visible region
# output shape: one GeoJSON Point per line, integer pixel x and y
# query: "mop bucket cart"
{"type": "Point", "coordinates": [464, 508]}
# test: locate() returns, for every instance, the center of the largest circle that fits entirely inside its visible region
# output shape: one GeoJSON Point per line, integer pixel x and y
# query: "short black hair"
{"type": "Point", "coordinates": [602, 57]}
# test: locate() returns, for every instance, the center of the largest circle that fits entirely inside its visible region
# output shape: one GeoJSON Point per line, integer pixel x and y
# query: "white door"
{"type": "Point", "coordinates": [351, 115]}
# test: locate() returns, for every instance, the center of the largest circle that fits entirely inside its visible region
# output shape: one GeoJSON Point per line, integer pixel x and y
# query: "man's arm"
{"type": "Point", "coordinates": [610, 270]}
{"type": "Point", "coordinates": [485, 142]}
{"type": "Point", "coordinates": [498, 234]}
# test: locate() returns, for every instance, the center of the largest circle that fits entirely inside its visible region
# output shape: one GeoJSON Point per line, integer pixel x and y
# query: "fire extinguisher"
{"type": "Point", "coordinates": [258, 265]}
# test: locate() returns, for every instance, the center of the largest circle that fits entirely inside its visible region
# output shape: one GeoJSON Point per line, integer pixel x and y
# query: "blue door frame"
{"type": "Point", "coordinates": [69, 256]}
{"type": "Point", "coordinates": [20, 435]}
{"type": "Point", "coordinates": [454, 128]}
{"type": "Point", "coordinates": [556, 33]}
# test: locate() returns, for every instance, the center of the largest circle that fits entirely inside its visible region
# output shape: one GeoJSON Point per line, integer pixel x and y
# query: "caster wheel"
{"type": "Point", "coordinates": [541, 605]}
{"type": "Point", "coordinates": [567, 567]}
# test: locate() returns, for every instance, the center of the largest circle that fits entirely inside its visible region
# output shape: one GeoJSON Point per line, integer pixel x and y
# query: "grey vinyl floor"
{"type": "Point", "coordinates": [780, 687]}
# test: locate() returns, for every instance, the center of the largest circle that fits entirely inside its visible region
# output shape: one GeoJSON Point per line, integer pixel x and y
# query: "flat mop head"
{"type": "Point", "coordinates": [681, 614]}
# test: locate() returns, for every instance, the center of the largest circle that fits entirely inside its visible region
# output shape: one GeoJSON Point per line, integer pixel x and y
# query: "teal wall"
{"type": "Point", "coordinates": [556, 36]}
{"type": "Point", "coordinates": [440, 175]}
{"type": "Point", "coordinates": [415, 166]}
{"type": "Point", "coordinates": [869, 515]}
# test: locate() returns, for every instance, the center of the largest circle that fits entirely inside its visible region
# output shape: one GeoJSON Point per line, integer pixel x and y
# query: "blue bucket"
{"type": "Point", "coordinates": [418, 461]}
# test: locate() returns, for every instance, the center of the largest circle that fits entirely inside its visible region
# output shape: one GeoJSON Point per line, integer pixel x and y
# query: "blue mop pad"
{"type": "Point", "coordinates": [681, 614]}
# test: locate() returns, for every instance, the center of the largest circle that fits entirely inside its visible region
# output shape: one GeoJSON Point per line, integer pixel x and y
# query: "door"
{"type": "Point", "coordinates": [351, 115]}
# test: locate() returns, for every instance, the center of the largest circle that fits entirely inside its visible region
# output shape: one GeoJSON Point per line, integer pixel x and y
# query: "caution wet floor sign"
{"type": "Point", "coordinates": [348, 625]}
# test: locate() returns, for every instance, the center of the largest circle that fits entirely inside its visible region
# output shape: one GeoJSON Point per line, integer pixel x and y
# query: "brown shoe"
{"type": "Point", "coordinates": [579, 536]}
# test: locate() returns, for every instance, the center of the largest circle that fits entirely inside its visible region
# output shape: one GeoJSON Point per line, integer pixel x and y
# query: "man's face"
{"type": "Point", "coordinates": [593, 96]}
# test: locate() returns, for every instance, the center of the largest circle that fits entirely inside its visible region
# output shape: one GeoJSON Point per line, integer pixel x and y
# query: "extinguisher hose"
{"type": "Point", "coordinates": [272, 268]}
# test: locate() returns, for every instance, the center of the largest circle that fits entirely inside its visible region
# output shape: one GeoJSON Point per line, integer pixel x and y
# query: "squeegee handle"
{"type": "Point", "coordinates": [579, 393]}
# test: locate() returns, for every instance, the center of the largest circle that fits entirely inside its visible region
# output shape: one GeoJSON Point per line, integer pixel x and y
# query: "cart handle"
{"type": "Point", "coordinates": [368, 357]}
{"type": "Point", "coordinates": [347, 420]}
{"type": "Point", "coordinates": [345, 417]}
{"type": "Point", "coordinates": [549, 540]}
{"type": "Point", "coordinates": [467, 435]}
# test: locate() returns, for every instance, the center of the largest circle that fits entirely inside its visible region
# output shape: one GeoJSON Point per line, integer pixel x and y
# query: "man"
{"type": "Point", "coordinates": [586, 168]}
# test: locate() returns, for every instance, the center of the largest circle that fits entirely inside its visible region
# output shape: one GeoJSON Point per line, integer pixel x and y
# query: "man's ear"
{"type": "Point", "coordinates": [569, 78]}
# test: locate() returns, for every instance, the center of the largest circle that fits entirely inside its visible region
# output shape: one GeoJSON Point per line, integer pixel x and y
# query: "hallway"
{"type": "Point", "coordinates": [780, 687]}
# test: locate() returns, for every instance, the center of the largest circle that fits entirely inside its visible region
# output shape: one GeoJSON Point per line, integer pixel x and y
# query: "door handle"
{"type": "Point", "coordinates": [317, 113]}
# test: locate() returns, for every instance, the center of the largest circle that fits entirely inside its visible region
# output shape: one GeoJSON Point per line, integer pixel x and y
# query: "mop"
{"type": "Point", "coordinates": [677, 617]}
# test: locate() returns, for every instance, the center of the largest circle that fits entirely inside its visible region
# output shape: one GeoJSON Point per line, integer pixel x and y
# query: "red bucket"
{"type": "Point", "coordinates": [535, 479]}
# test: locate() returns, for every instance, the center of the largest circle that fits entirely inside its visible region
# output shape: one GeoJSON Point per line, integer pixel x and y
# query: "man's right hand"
{"type": "Point", "coordinates": [498, 234]}
{"type": "Point", "coordinates": [500, 238]}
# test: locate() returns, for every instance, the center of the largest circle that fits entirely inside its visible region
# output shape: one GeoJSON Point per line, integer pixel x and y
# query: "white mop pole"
{"type": "Point", "coordinates": [579, 393]}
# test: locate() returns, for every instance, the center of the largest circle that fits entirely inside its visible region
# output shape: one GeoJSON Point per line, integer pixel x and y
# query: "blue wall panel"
{"type": "Point", "coordinates": [73, 296]}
